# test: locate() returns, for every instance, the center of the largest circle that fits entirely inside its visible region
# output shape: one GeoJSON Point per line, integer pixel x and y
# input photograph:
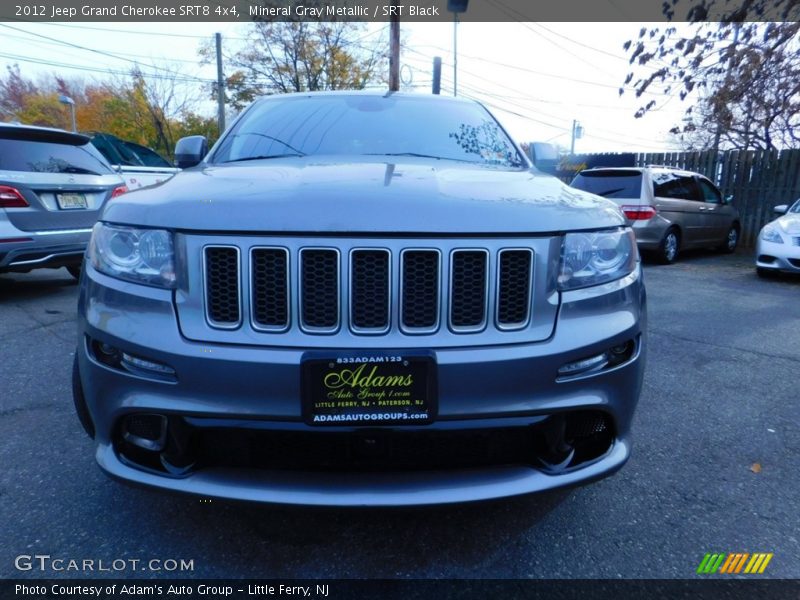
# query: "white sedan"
{"type": "Point", "coordinates": [778, 246]}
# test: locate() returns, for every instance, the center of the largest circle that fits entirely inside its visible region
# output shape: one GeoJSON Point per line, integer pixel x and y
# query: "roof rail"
{"type": "Point", "coordinates": [666, 167]}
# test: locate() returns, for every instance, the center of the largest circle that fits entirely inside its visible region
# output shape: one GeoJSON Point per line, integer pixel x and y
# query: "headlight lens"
{"type": "Point", "coordinates": [597, 257]}
{"type": "Point", "coordinates": [139, 255]}
{"type": "Point", "coordinates": [770, 234]}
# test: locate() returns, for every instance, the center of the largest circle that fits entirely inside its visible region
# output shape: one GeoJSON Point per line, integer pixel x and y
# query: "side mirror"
{"type": "Point", "coordinates": [189, 151]}
{"type": "Point", "coordinates": [780, 209]}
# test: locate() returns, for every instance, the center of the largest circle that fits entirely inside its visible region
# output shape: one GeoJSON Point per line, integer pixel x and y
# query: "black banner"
{"type": "Point", "coordinates": [405, 10]}
{"type": "Point", "coordinates": [507, 589]}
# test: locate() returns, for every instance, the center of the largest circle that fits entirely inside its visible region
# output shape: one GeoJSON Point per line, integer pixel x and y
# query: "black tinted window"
{"type": "Point", "coordinates": [148, 157]}
{"type": "Point", "coordinates": [48, 157]}
{"type": "Point", "coordinates": [368, 125]}
{"type": "Point", "coordinates": [680, 187]}
{"type": "Point", "coordinates": [710, 193]}
{"type": "Point", "coordinates": [610, 184]}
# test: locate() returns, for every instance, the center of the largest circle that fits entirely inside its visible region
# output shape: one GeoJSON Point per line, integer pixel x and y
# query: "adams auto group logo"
{"type": "Point", "coordinates": [734, 562]}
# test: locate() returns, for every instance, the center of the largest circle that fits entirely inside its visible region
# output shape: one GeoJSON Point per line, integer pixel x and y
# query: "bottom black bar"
{"type": "Point", "coordinates": [405, 589]}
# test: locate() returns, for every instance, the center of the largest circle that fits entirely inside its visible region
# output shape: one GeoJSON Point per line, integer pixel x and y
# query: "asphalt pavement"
{"type": "Point", "coordinates": [714, 467]}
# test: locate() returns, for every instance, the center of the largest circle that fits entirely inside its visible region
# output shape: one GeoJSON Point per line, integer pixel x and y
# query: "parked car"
{"type": "Point", "coordinates": [778, 247]}
{"type": "Point", "coordinates": [360, 299]}
{"type": "Point", "coordinates": [668, 209]}
{"type": "Point", "coordinates": [139, 165]}
{"type": "Point", "coordinates": [53, 185]}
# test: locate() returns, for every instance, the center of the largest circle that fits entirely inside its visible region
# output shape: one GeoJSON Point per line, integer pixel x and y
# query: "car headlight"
{"type": "Point", "coordinates": [770, 234]}
{"type": "Point", "coordinates": [596, 257]}
{"type": "Point", "coordinates": [138, 255]}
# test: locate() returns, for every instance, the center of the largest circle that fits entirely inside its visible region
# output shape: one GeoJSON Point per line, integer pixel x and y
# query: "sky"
{"type": "Point", "coordinates": [535, 77]}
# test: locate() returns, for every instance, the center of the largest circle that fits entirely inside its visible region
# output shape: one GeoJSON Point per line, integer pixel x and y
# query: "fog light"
{"type": "Point", "coordinates": [128, 360]}
{"type": "Point", "coordinates": [147, 431]}
{"type": "Point", "coordinates": [587, 364]}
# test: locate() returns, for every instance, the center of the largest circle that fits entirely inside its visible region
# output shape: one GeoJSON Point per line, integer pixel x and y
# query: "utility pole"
{"type": "Point", "coordinates": [455, 54]}
{"type": "Point", "coordinates": [220, 86]}
{"type": "Point", "coordinates": [394, 52]}
{"type": "Point", "coordinates": [455, 7]}
{"type": "Point", "coordinates": [437, 75]}
{"type": "Point", "coordinates": [577, 133]}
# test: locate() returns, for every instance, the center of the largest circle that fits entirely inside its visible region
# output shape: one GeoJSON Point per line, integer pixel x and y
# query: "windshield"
{"type": "Point", "coordinates": [610, 184]}
{"type": "Point", "coordinates": [795, 208]}
{"type": "Point", "coordinates": [50, 157]}
{"type": "Point", "coordinates": [371, 126]}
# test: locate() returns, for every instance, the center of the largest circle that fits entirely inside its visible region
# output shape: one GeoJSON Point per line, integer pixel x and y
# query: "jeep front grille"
{"type": "Point", "coordinates": [368, 290]}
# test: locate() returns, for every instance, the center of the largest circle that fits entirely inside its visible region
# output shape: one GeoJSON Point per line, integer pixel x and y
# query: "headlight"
{"type": "Point", "coordinates": [139, 255]}
{"type": "Point", "coordinates": [770, 234]}
{"type": "Point", "coordinates": [595, 258]}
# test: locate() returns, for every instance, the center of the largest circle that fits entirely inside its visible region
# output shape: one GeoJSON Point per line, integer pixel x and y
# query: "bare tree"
{"type": "Point", "coordinates": [742, 77]}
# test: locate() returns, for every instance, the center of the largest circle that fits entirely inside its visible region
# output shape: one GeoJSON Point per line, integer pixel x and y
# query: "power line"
{"type": "Point", "coordinates": [96, 51]}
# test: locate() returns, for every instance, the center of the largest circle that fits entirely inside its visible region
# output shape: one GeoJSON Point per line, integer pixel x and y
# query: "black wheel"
{"type": "Point", "coordinates": [731, 240]}
{"type": "Point", "coordinates": [75, 271]}
{"type": "Point", "coordinates": [79, 400]}
{"type": "Point", "coordinates": [667, 252]}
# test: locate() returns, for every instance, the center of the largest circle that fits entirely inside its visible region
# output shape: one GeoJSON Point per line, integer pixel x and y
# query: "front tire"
{"type": "Point", "coordinates": [731, 241]}
{"type": "Point", "coordinates": [79, 399]}
{"type": "Point", "coordinates": [667, 252]}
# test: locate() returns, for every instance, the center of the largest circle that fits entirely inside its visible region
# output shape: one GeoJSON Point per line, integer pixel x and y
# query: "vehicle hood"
{"type": "Point", "coordinates": [363, 195]}
{"type": "Point", "coordinates": [789, 223]}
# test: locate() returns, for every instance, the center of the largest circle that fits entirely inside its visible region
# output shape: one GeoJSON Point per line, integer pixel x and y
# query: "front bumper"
{"type": "Point", "coordinates": [778, 257]}
{"type": "Point", "coordinates": [244, 388]}
{"type": "Point", "coordinates": [21, 251]}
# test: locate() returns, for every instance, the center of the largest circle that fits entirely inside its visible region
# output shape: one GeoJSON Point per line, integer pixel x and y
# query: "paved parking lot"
{"type": "Point", "coordinates": [720, 397]}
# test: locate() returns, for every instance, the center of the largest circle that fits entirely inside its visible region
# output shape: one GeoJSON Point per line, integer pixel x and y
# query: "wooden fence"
{"type": "Point", "coordinates": [757, 180]}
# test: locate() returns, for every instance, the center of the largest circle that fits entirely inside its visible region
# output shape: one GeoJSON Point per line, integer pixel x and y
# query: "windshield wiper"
{"type": "Point", "coordinates": [609, 192]}
{"type": "Point", "coordinates": [418, 155]}
{"type": "Point", "coordinates": [77, 171]}
{"type": "Point", "coordinates": [264, 157]}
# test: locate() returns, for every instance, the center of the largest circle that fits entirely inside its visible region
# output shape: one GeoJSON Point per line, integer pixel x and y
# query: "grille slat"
{"type": "Point", "coordinates": [468, 289]}
{"type": "Point", "coordinates": [513, 287]}
{"type": "Point", "coordinates": [269, 268]}
{"type": "Point", "coordinates": [319, 289]}
{"type": "Point", "coordinates": [420, 283]}
{"type": "Point", "coordinates": [369, 299]}
{"type": "Point", "coordinates": [223, 302]}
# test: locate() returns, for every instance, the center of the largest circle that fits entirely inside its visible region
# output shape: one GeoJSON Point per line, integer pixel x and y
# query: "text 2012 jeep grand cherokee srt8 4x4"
{"type": "Point", "coordinates": [360, 299]}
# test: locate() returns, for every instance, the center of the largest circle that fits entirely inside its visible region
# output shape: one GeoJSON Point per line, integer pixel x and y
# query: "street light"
{"type": "Point", "coordinates": [67, 100]}
{"type": "Point", "coordinates": [455, 7]}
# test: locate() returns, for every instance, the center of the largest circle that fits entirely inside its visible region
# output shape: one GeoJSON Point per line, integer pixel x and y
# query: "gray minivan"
{"type": "Point", "coordinates": [53, 184]}
{"type": "Point", "coordinates": [668, 209]}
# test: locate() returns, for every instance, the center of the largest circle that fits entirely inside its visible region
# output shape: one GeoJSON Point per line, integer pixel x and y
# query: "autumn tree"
{"type": "Point", "coordinates": [740, 76]}
{"type": "Point", "coordinates": [297, 56]}
{"type": "Point", "coordinates": [154, 112]}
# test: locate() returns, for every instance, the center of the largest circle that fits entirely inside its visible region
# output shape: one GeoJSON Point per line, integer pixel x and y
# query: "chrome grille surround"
{"type": "Point", "coordinates": [434, 264]}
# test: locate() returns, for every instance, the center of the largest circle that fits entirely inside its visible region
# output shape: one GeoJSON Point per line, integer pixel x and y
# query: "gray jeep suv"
{"type": "Point", "coordinates": [668, 209]}
{"type": "Point", "coordinates": [360, 299]}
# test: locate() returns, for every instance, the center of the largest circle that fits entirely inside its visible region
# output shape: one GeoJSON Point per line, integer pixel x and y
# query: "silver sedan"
{"type": "Point", "coordinates": [779, 242]}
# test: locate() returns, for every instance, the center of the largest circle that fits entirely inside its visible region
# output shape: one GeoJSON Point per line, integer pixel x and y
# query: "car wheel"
{"type": "Point", "coordinates": [669, 248]}
{"type": "Point", "coordinates": [75, 271]}
{"type": "Point", "coordinates": [731, 240]}
{"type": "Point", "coordinates": [79, 400]}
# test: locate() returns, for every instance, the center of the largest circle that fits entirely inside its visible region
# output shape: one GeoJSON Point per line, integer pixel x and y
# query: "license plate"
{"type": "Point", "coordinates": [71, 201]}
{"type": "Point", "coordinates": [372, 389]}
